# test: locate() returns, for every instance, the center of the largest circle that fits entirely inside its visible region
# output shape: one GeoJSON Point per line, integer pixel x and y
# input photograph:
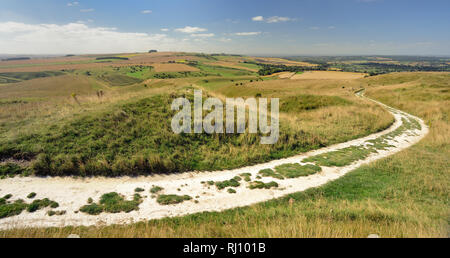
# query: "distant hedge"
{"type": "Point", "coordinates": [112, 57]}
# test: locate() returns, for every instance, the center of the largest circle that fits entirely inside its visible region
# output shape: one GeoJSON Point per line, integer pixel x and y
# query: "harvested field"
{"type": "Point", "coordinates": [174, 68]}
{"type": "Point", "coordinates": [280, 61]}
{"type": "Point", "coordinates": [284, 75]}
{"type": "Point", "coordinates": [63, 85]}
{"type": "Point", "coordinates": [235, 65]}
{"type": "Point", "coordinates": [327, 75]}
{"type": "Point", "coordinates": [90, 62]}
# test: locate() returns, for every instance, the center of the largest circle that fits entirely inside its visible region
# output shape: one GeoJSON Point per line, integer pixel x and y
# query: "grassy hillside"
{"type": "Point", "coordinates": [82, 124]}
{"type": "Point", "coordinates": [404, 195]}
{"type": "Point", "coordinates": [135, 138]}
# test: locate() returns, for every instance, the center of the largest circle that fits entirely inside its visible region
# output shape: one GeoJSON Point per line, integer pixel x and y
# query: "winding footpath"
{"type": "Point", "coordinates": [73, 193]}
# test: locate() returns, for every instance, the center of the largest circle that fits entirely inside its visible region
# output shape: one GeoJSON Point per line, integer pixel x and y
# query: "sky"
{"type": "Point", "coordinates": [251, 27]}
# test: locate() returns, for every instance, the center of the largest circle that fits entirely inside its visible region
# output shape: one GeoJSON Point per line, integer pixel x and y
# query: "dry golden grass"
{"type": "Point", "coordinates": [234, 65]}
{"type": "Point", "coordinates": [327, 75]}
{"type": "Point", "coordinates": [45, 60]}
{"type": "Point", "coordinates": [278, 61]}
{"type": "Point", "coordinates": [63, 85]}
{"type": "Point", "coordinates": [174, 68]}
{"type": "Point", "coordinates": [283, 75]}
{"type": "Point", "coordinates": [70, 63]}
{"type": "Point", "coordinates": [51, 100]}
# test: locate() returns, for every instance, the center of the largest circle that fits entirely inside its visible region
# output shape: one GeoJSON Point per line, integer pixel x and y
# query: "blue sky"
{"type": "Point", "coordinates": [283, 27]}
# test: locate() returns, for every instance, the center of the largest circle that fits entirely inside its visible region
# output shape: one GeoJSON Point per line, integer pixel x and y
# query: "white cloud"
{"type": "Point", "coordinates": [190, 30]}
{"type": "Point", "coordinates": [225, 40]}
{"type": "Point", "coordinates": [77, 38]}
{"type": "Point", "coordinates": [248, 33]}
{"type": "Point", "coordinates": [258, 18]}
{"type": "Point", "coordinates": [164, 29]}
{"type": "Point", "coordinates": [331, 27]}
{"type": "Point", "coordinates": [87, 10]}
{"type": "Point", "coordinates": [146, 11]}
{"type": "Point", "coordinates": [314, 28]}
{"type": "Point", "coordinates": [203, 35]}
{"type": "Point", "coordinates": [73, 3]}
{"type": "Point", "coordinates": [273, 19]}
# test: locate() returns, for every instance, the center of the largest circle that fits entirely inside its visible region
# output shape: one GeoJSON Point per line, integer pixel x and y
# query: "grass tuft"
{"type": "Point", "coordinates": [172, 199]}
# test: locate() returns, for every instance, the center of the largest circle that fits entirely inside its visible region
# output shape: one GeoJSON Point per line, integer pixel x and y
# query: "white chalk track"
{"type": "Point", "coordinates": [73, 193]}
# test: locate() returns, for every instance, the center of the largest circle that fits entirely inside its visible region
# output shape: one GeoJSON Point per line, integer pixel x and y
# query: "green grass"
{"type": "Point", "coordinates": [246, 176]}
{"type": "Point", "coordinates": [403, 195]}
{"type": "Point", "coordinates": [231, 191]}
{"type": "Point", "coordinates": [31, 195]}
{"type": "Point", "coordinates": [342, 157]}
{"type": "Point", "coordinates": [347, 156]}
{"type": "Point", "coordinates": [251, 66]}
{"type": "Point", "coordinates": [119, 79]}
{"type": "Point", "coordinates": [222, 71]}
{"type": "Point", "coordinates": [57, 213]}
{"type": "Point", "coordinates": [12, 209]}
{"type": "Point", "coordinates": [24, 76]}
{"type": "Point", "coordinates": [136, 139]}
{"type": "Point", "coordinates": [301, 103]}
{"type": "Point", "coordinates": [9, 209]}
{"type": "Point", "coordinates": [11, 169]}
{"type": "Point", "coordinates": [172, 199]}
{"type": "Point", "coordinates": [112, 203]}
{"type": "Point", "coordinates": [270, 173]}
{"type": "Point", "coordinates": [234, 182]}
{"type": "Point", "coordinates": [156, 189]}
{"type": "Point", "coordinates": [139, 72]}
{"type": "Point", "coordinates": [296, 170]}
{"type": "Point", "coordinates": [40, 204]}
{"type": "Point", "coordinates": [262, 185]}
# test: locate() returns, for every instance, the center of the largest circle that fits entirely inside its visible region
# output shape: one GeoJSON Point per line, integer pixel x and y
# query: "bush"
{"type": "Point", "coordinates": [231, 190]}
{"type": "Point", "coordinates": [92, 209]}
{"type": "Point", "coordinates": [112, 203]}
{"type": "Point", "coordinates": [262, 185]}
{"type": "Point", "coordinates": [31, 195]}
{"type": "Point", "coordinates": [172, 199]}
{"type": "Point", "coordinates": [227, 183]}
{"type": "Point", "coordinates": [156, 189]}
{"type": "Point", "coordinates": [139, 190]}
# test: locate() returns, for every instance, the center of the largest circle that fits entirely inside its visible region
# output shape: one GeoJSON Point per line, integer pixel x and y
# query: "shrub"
{"type": "Point", "coordinates": [31, 195]}
{"type": "Point", "coordinates": [156, 189]}
{"type": "Point", "coordinates": [231, 190]}
{"type": "Point", "coordinates": [12, 209]}
{"type": "Point", "coordinates": [112, 203]}
{"type": "Point", "coordinates": [227, 183]}
{"type": "Point", "coordinates": [172, 199]}
{"type": "Point", "coordinates": [92, 209]}
{"type": "Point", "coordinates": [139, 190]}
{"type": "Point", "coordinates": [262, 185]}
